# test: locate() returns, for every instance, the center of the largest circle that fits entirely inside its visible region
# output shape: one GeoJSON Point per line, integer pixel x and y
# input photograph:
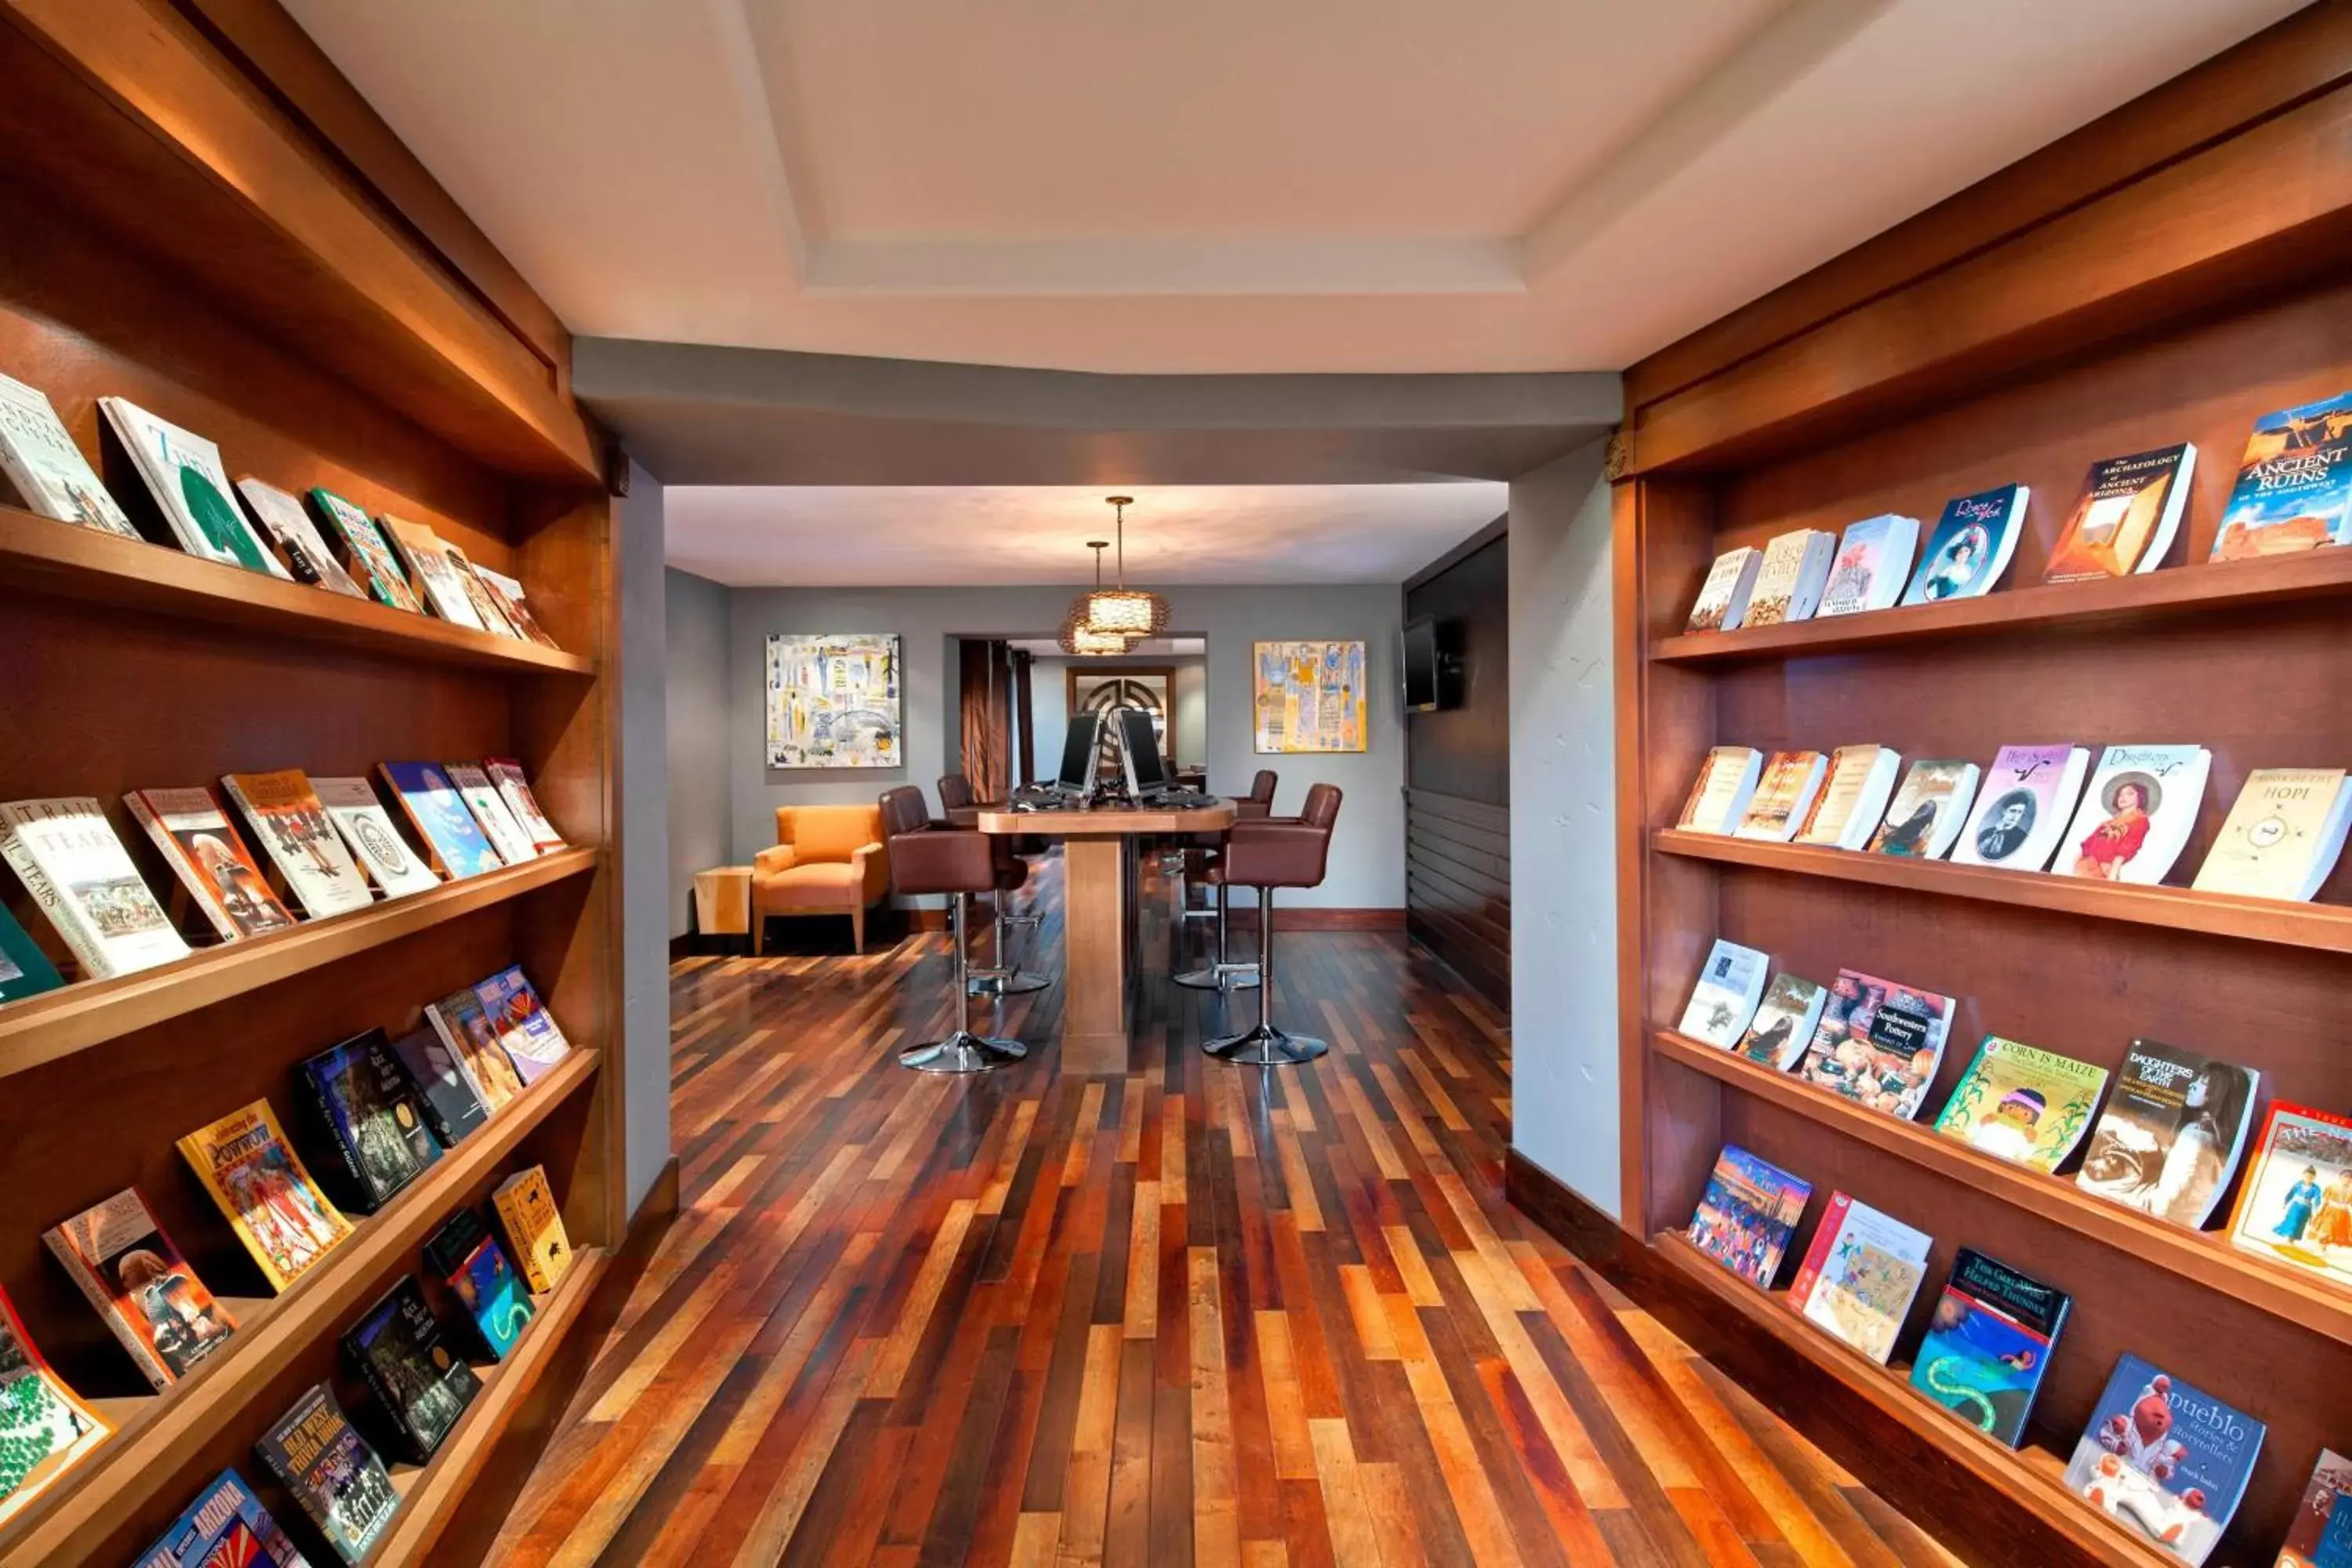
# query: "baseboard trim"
{"type": "Point", "coordinates": [1566, 1214]}
{"type": "Point", "coordinates": [1289, 917]}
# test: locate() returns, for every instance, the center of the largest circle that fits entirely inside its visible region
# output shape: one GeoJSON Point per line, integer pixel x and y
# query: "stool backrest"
{"type": "Point", "coordinates": [955, 791]}
{"type": "Point", "coordinates": [1322, 807]}
{"type": "Point", "coordinates": [1262, 789]}
{"type": "Point", "coordinates": [904, 811]}
{"type": "Point", "coordinates": [929, 860]}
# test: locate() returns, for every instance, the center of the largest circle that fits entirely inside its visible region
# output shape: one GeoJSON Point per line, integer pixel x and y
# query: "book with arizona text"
{"type": "Point", "coordinates": [365, 551]}
{"type": "Point", "coordinates": [1784, 1022]}
{"type": "Point", "coordinates": [491, 813]}
{"type": "Point", "coordinates": [1872, 561]}
{"type": "Point", "coordinates": [269, 1199]}
{"type": "Point", "coordinates": [308, 556]}
{"type": "Point", "coordinates": [183, 473]}
{"type": "Point", "coordinates": [2164, 1460]}
{"type": "Point", "coordinates": [1970, 547]}
{"type": "Point", "coordinates": [420, 1383]}
{"type": "Point", "coordinates": [2129, 511]}
{"type": "Point", "coordinates": [1928, 807]}
{"type": "Point", "coordinates": [2294, 484]}
{"type": "Point", "coordinates": [1723, 600]}
{"type": "Point", "coordinates": [526, 1030]}
{"type": "Point", "coordinates": [358, 814]}
{"type": "Point", "coordinates": [2136, 815]}
{"type": "Point", "coordinates": [2026, 1105]}
{"type": "Point", "coordinates": [514, 788]}
{"type": "Point", "coordinates": [441, 818]}
{"type": "Point", "coordinates": [1730, 983]}
{"type": "Point", "coordinates": [1719, 795]}
{"type": "Point", "coordinates": [2296, 1205]}
{"type": "Point", "coordinates": [1878, 1043]}
{"type": "Point", "coordinates": [1784, 794]}
{"type": "Point", "coordinates": [1789, 583]}
{"type": "Point", "coordinates": [44, 1430]}
{"type": "Point", "coordinates": [2171, 1137]}
{"type": "Point", "coordinates": [301, 840]}
{"type": "Point", "coordinates": [1861, 1274]}
{"type": "Point", "coordinates": [1851, 800]}
{"type": "Point", "coordinates": [2283, 836]}
{"type": "Point", "coordinates": [2321, 1534]}
{"type": "Point", "coordinates": [430, 568]}
{"type": "Point", "coordinates": [487, 608]}
{"type": "Point", "coordinates": [24, 969]}
{"type": "Point", "coordinates": [453, 1105]}
{"type": "Point", "coordinates": [462, 1025]}
{"type": "Point", "coordinates": [514, 604]}
{"type": "Point", "coordinates": [205, 850]}
{"type": "Point", "coordinates": [1989, 1343]}
{"type": "Point", "coordinates": [534, 1226]}
{"type": "Point", "coordinates": [2024, 801]}
{"type": "Point", "coordinates": [339, 1481]}
{"type": "Point", "coordinates": [141, 1286]}
{"type": "Point", "coordinates": [50, 475]}
{"type": "Point", "coordinates": [1747, 1215]}
{"type": "Point", "coordinates": [67, 854]}
{"type": "Point", "coordinates": [226, 1527]}
{"type": "Point", "coordinates": [373, 1120]}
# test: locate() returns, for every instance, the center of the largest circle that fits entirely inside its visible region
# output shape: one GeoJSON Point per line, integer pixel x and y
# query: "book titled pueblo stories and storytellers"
{"type": "Point", "coordinates": [2294, 484]}
{"type": "Point", "coordinates": [226, 1527]}
{"type": "Point", "coordinates": [2171, 1133]}
{"type": "Point", "coordinates": [1861, 1276]}
{"type": "Point", "coordinates": [141, 1286]}
{"type": "Point", "coordinates": [1749, 1212]}
{"type": "Point", "coordinates": [1988, 1344]}
{"type": "Point", "coordinates": [2167, 1461]}
{"type": "Point", "coordinates": [2025, 1104]}
{"type": "Point", "coordinates": [1878, 1043]}
{"type": "Point", "coordinates": [255, 1176]}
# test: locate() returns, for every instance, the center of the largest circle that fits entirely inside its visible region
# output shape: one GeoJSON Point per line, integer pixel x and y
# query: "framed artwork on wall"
{"type": "Point", "coordinates": [834, 700]}
{"type": "Point", "coordinates": [1309, 697]}
{"type": "Point", "coordinates": [1152, 689]}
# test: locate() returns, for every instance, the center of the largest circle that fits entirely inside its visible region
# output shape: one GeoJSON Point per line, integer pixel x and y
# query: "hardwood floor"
{"type": "Point", "coordinates": [1197, 1313]}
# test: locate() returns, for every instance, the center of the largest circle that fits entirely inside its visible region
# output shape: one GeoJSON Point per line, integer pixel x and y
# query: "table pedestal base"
{"type": "Point", "coordinates": [1098, 951]}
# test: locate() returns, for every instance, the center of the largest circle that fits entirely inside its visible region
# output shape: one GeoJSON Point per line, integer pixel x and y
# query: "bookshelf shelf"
{"type": "Point", "coordinates": [83, 1517]}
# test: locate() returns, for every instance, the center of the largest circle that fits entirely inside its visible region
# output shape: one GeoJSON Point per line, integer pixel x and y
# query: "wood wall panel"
{"type": "Point", "coordinates": [1458, 886]}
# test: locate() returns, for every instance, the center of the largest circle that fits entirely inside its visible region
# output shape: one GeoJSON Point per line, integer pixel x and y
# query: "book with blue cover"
{"type": "Point", "coordinates": [493, 1295]}
{"type": "Point", "coordinates": [1971, 546]}
{"type": "Point", "coordinates": [226, 1527]}
{"type": "Point", "coordinates": [441, 818]}
{"type": "Point", "coordinates": [2167, 1461]}
{"type": "Point", "coordinates": [1988, 1344]}
{"type": "Point", "coordinates": [24, 969]}
{"type": "Point", "coordinates": [1749, 1212]}
{"type": "Point", "coordinates": [2295, 483]}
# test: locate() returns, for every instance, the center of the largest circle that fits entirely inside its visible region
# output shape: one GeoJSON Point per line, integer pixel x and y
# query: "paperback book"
{"type": "Point", "coordinates": [253, 1174]}
{"type": "Point", "coordinates": [514, 606]}
{"type": "Point", "coordinates": [526, 1030]}
{"type": "Point", "coordinates": [491, 813]}
{"type": "Point", "coordinates": [454, 1240]}
{"type": "Point", "coordinates": [365, 551]}
{"type": "Point", "coordinates": [514, 789]}
{"type": "Point", "coordinates": [2283, 836]}
{"type": "Point", "coordinates": [1719, 795]}
{"type": "Point", "coordinates": [430, 568]}
{"type": "Point", "coordinates": [2321, 1535]}
{"type": "Point", "coordinates": [1861, 1276]}
{"type": "Point", "coordinates": [453, 1105]}
{"type": "Point", "coordinates": [1789, 583]}
{"type": "Point", "coordinates": [1878, 1043]}
{"type": "Point", "coordinates": [495, 1300]}
{"type": "Point", "coordinates": [1873, 560]}
{"type": "Point", "coordinates": [66, 854]}
{"type": "Point", "coordinates": [24, 969]}
{"type": "Point", "coordinates": [466, 1029]}
{"type": "Point", "coordinates": [226, 1527]}
{"type": "Point", "coordinates": [141, 1287]}
{"type": "Point", "coordinates": [2136, 817]}
{"type": "Point", "coordinates": [372, 1117]}
{"type": "Point", "coordinates": [1928, 807]}
{"type": "Point", "coordinates": [420, 1383]}
{"type": "Point", "coordinates": [1749, 1212]}
{"type": "Point", "coordinates": [1724, 1000]}
{"type": "Point", "coordinates": [1784, 1023]}
{"type": "Point", "coordinates": [1784, 794]}
{"type": "Point", "coordinates": [534, 1228]}
{"type": "Point", "coordinates": [1988, 1344]}
{"type": "Point", "coordinates": [2167, 1461]}
{"type": "Point", "coordinates": [1852, 801]}
{"type": "Point", "coordinates": [2294, 484]}
{"type": "Point", "coordinates": [441, 818]}
{"type": "Point", "coordinates": [300, 839]}
{"type": "Point", "coordinates": [48, 471]}
{"type": "Point", "coordinates": [2296, 1203]}
{"type": "Point", "coordinates": [45, 1431]}
{"type": "Point", "coordinates": [1723, 600]}
{"type": "Point", "coordinates": [2023, 804]}
{"type": "Point", "coordinates": [307, 555]}
{"type": "Point", "coordinates": [487, 608]}
{"type": "Point", "coordinates": [2027, 1106]}
{"type": "Point", "coordinates": [2124, 522]}
{"type": "Point", "coordinates": [352, 805]}
{"type": "Point", "coordinates": [1971, 546]}
{"type": "Point", "coordinates": [2171, 1135]}
{"type": "Point", "coordinates": [333, 1473]}
{"type": "Point", "coordinates": [204, 851]}
{"type": "Point", "coordinates": [185, 474]}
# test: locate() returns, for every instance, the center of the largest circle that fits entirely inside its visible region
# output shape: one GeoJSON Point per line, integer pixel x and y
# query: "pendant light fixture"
{"type": "Point", "coordinates": [1127, 612]}
{"type": "Point", "coordinates": [1077, 636]}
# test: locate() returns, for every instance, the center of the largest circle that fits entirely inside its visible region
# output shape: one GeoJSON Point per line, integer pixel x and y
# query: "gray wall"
{"type": "Point", "coordinates": [1189, 724]}
{"type": "Point", "coordinates": [700, 823]}
{"type": "Point", "coordinates": [645, 837]}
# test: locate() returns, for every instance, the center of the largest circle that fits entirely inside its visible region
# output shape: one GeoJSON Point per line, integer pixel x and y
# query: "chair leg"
{"type": "Point", "coordinates": [857, 929]}
{"type": "Point", "coordinates": [1266, 1046]}
{"type": "Point", "coordinates": [758, 930]}
{"type": "Point", "coordinates": [1221, 975]}
{"type": "Point", "coordinates": [963, 1051]}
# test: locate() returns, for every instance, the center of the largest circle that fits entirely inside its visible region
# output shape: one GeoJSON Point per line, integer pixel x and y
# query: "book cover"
{"type": "Point", "coordinates": [1851, 800]}
{"type": "Point", "coordinates": [308, 556]}
{"type": "Point", "coordinates": [352, 805]}
{"type": "Point", "coordinates": [1784, 1023]}
{"type": "Point", "coordinates": [2137, 815]}
{"type": "Point", "coordinates": [421, 1384]}
{"type": "Point", "coordinates": [255, 1176]}
{"type": "Point", "coordinates": [487, 608]}
{"type": "Point", "coordinates": [2281, 839]}
{"type": "Point", "coordinates": [2125, 520]}
{"type": "Point", "coordinates": [430, 570]}
{"type": "Point", "coordinates": [2321, 1534]}
{"type": "Point", "coordinates": [204, 849]}
{"type": "Point", "coordinates": [497, 824]}
{"type": "Point", "coordinates": [2022, 803]}
{"type": "Point", "coordinates": [48, 471]}
{"type": "Point", "coordinates": [467, 1030]}
{"type": "Point", "coordinates": [301, 840]}
{"type": "Point", "coordinates": [1878, 1043]}
{"type": "Point", "coordinates": [1970, 547]}
{"type": "Point", "coordinates": [2026, 1105]}
{"type": "Point", "coordinates": [454, 1240]}
{"type": "Point", "coordinates": [1861, 1276]}
{"type": "Point", "coordinates": [183, 472]}
{"type": "Point", "coordinates": [1749, 1212]}
{"type": "Point", "coordinates": [366, 551]}
{"type": "Point", "coordinates": [1789, 584]}
{"type": "Point", "coordinates": [1928, 809]}
{"type": "Point", "coordinates": [1784, 795]}
{"type": "Point", "coordinates": [2296, 1203]}
{"type": "Point", "coordinates": [441, 818]}
{"type": "Point", "coordinates": [1725, 998]}
{"type": "Point", "coordinates": [515, 790]}
{"type": "Point", "coordinates": [141, 1286]}
{"type": "Point", "coordinates": [1726, 782]}
{"type": "Point", "coordinates": [1873, 560]}
{"type": "Point", "coordinates": [374, 1119]}
{"type": "Point", "coordinates": [1988, 1344]}
{"type": "Point", "coordinates": [514, 606]}
{"type": "Point", "coordinates": [1722, 599]}
{"type": "Point", "coordinates": [534, 1226]}
{"type": "Point", "coordinates": [67, 854]}
{"type": "Point", "coordinates": [2166, 1460]}
{"type": "Point", "coordinates": [2171, 1133]}
{"type": "Point", "coordinates": [226, 1527]}
{"type": "Point", "coordinates": [24, 969]}
{"type": "Point", "coordinates": [44, 1429]}
{"type": "Point", "coordinates": [2295, 483]}
{"type": "Point", "coordinates": [525, 1028]}
{"type": "Point", "coordinates": [453, 1106]}
{"type": "Point", "coordinates": [333, 1473]}
{"type": "Point", "coordinates": [493, 1295]}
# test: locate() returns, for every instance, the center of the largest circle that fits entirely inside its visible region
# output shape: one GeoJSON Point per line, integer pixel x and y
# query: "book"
{"type": "Point", "coordinates": [453, 1105]}
{"type": "Point", "coordinates": [514, 604]}
{"type": "Point", "coordinates": [491, 813]}
{"type": "Point", "coordinates": [2295, 483]}
{"type": "Point", "coordinates": [486, 607]}
{"type": "Point", "coordinates": [441, 818]}
{"type": "Point", "coordinates": [458, 1019]}
{"type": "Point", "coordinates": [421, 1384]}
{"type": "Point", "coordinates": [1860, 1276]}
{"type": "Point", "coordinates": [50, 475]}
{"type": "Point", "coordinates": [294, 827]}
{"type": "Point", "coordinates": [1719, 795]}
{"type": "Point", "coordinates": [44, 1430]}
{"type": "Point", "coordinates": [226, 1527]}
{"type": "Point", "coordinates": [2283, 836]}
{"type": "Point", "coordinates": [24, 969]}
{"type": "Point", "coordinates": [2171, 1133]}
{"type": "Point", "coordinates": [1784, 1022]}
{"type": "Point", "coordinates": [365, 551]}
{"type": "Point", "coordinates": [253, 1174]}
{"type": "Point", "coordinates": [204, 849]}
{"type": "Point", "coordinates": [358, 814]}
{"type": "Point", "coordinates": [183, 472]}
{"type": "Point", "coordinates": [307, 555]}
{"type": "Point", "coordinates": [2129, 511]}
{"type": "Point", "coordinates": [1878, 1043]}
{"type": "Point", "coordinates": [1928, 809]}
{"type": "Point", "coordinates": [2321, 1534]}
{"type": "Point", "coordinates": [1872, 561]}
{"type": "Point", "coordinates": [141, 1286]}
{"type": "Point", "coordinates": [2023, 804]}
{"type": "Point", "coordinates": [1851, 800]}
{"type": "Point", "coordinates": [1722, 599]}
{"type": "Point", "coordinates": [534, 1226]}
{"type": "Point", "coordinates": [526, 1030]}
{"type": "Point", "coordinates": [1730, 984]}
{"type": "Point", "coordinates": [2164, 1459]}
{"type": "Point", "coordinates": [430, 568]}
{"type": "Point", "coordinates": [1989, 1343]}
{"type": "Point", "coordinates": [454, 1240]}
{"type": "Point", "coordinates": [494, 1299]}
{"type": "Point", "coordinates": [2296, 1203]}
{"type": "Point", "coordinates": [66, 854]}
{"type": "Point", "coordinates": [1789, 583]}
{"type": "Point", "coordinates": [2025, 1104]}
{"type": "Point", "coordinates": [2137, 814]}
{"type": "Point", "coordinates": [372, 1117]}
{"type": "Point", "coordinates": [1970, 547]}
{"type": "Point", "coordinates": [514, 788]}
{"type": "Point", "coordinates": [1784, 794]}
{"type": "Point", "coordinates": [333, 1473]}
{"type": "Point", "coordinates": [1747, 1215]}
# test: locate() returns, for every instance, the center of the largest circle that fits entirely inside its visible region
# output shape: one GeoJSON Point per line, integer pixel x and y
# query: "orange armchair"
{"type": "Point", "coordinates": [827, 860]}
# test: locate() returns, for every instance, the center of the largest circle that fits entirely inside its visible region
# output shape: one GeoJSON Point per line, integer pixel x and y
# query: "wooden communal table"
{"type": "Point", "coordinates": [1099, 916]}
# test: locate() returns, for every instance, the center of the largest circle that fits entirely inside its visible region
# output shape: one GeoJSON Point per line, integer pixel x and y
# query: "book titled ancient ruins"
{"type": "Point", "coordinates": [441, 818]}
{"type": "Point", "coordinates": [373, 1120]}
{"type": "Point", "coordinates": [308, 556]}
{"type": "Point", "coordinates": [2129, 511]}
{"type": "Point", "coordinates": [183, 473]}
{"type": "Point", "coordinates": [208, 855]}
{"type": "Point", "coordinates": [419, 1382]}
{"type": "Point", "coordinates": [67, 854]}
{"type": "Point", "coordinates": [2283, 836]}
{"type": "Point", "coordinates": [366, 551]}
{"type": "Point", "coordinates": [2295, 483]}
{"type": "Point", "coordinates": [2026, 1105]}
{"type": "Point", "coordinates": [339, 1481]}
{"type": "Point", "coordinates": [1747, 1215]}
{"type": "Point", "coordinates": [491, 813]}
{"type": "Point", "coordinates": [2166, 1460]}
{"type": "Point", "coordinates": [1878, 1043]}
{"type": "Point", "coordinates": [2171, 1133]}
{"type": "Point", "coordinates": [51, 476]}
{"type": "Point", "coordinates": [141, 1287]}
{"type": "Point", "coordinates": [1988, 1344]}
{"type": "Point", "coordinates": [514, 788]}
{"type": "Point", "coordinates": [300, 840]}
{"type": "Point", "coordinates": [253, 1174]}
{"type": "Point", "coordinates": [1861, 1274]}
{"type": "Point", "coordinates": [226, 1527]}
{"type": "Point", "coordinates": [2296, 1205]}
{"type": "Point", "coordinates": [534, 1228]}
{"type": "Point", "coordinates": [44, 1430]}
{"type": "Point", "coordinates": [353, 806]}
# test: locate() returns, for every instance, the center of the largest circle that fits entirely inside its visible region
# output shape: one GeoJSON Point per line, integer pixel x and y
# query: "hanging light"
{"type": "Point", "coordinates": [1079, 638]}
{"type": "Point", "coordinates": [1128, 612]}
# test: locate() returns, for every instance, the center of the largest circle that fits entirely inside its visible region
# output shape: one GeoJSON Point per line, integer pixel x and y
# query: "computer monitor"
{"type": "Point", "coordinates": [1080, 746]}
{"type": "Point", "coordinates": [1146, 771]}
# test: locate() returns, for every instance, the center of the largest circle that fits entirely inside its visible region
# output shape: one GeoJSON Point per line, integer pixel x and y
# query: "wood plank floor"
{"type": "Point", "coordinates": [1195, 1314]}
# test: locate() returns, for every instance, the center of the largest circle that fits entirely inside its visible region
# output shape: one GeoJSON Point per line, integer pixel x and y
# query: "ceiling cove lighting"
{"type": "Point", "coordinates": [1123, 611]}
{"type": "Point", "coordinates": [1077, 636]}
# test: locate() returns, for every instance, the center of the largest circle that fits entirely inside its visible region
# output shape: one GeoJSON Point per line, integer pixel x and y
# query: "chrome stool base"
{"type": "Point", "coordinates": [1005, 983]}
{"type": "Point", "coordinates": [964, 1051]}
{"type": "Point", "coordinates": [1221, 977]}
{"type": "Point", "coordinates": [1265, 1046]}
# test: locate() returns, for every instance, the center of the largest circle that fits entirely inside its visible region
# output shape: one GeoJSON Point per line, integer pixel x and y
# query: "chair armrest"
{"type": "Point", "coordinates": [1252, 810]}
{"type": "Point", "coordinates": [772, 859]}
{"type": "Point", "coordinates": [964, 818]}
{"type": "Point", "coordinates": [873, 868]}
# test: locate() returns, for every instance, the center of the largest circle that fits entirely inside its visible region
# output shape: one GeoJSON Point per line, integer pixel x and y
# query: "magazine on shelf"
{"type": "Point", "coordinates": [67, 854]}
{"type": "Point", "coordinates": [308, 556]}
{"type": "Point", "coordinates": [301, 840]}
{"type": "Point", "coordinates": [1749, 1212]}
{"type": "Point", "coordinates": [2294, 484]}
{"type": "Point", "coordinates": [1851, 800]}
{"type": "Point", "coordinates": [183, 473]}
{"type": "Point", "coordinates": [2029, 1106]}
{"type": "Point", "coordinates": [2282, 837]}
{"type": "Point", "coordinates": [2296, 1205]}
{"type": "Point", "coordinates": [50, 475]}
{"type": "Point", "coordinates": [1784, 1022]}
{"type": "Point", "coordinates": [1971, 546]}
{"type": "Point", "coordinates": [141, 1287]}
{"type": "Point", "coordinates": [1719, 795]}
{"type": "Point", "coordinates": [204, 851]}
{"type": "Point", "coordinates": [2024, 801]}
{"type": "Point", "coordinates": [1928, 807]}
{"type": "Point", "coordinates": [2124, 522]}
{"type": "Point", "coordinates": [1873, 560]}
{"type": "Point", "coordinates": [275, 1209]}
{"type": "Point", "coordinates": [1784, 794]}
{"type": "Point", "coordinates": [1722, 599]}
{"type": "Point", "coordinates": [358, 814]}
{"type": "Point", "coordinates": [1878, 1043]}
{"type": "Point", "coordinates": [1789, 583]}
{"type": "Point", "coordinates": [226, 1527]}
{"type": "Point", "coordinates": [48, 1429]}
{"type": "Point", "coordinates": [339, 1481]}
{"type": "Point", "coordinates": [2321, 1535]}
{"type": "Point", "coordinates": [1730, 983]}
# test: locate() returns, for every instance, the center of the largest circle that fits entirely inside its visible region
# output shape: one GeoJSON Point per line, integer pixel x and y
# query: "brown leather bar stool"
{"type": "Point", "coordinates": [1200, 866]}
{"type": "Point", "coordinates": [1267, 854]}
{"type": "Point", "coordinates": [930, 857]}
{"type": "Point", "coordinates": [961, 805]}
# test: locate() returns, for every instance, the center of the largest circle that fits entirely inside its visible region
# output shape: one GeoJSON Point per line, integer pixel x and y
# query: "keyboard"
{"type": "Point", "coordinates": [1180, 800]}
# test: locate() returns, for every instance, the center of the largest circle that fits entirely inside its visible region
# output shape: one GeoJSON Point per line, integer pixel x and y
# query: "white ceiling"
{"type": "Point", "coordinates": [1223, 184]}
{"type": "Point", "coordinates": [875, 535]}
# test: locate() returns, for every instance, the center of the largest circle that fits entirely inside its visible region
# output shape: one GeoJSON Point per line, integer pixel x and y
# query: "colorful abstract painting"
{"type": "Point", "coordinates": [834, 700]}
{"type": "Point", "coordinates": [1310, 696]}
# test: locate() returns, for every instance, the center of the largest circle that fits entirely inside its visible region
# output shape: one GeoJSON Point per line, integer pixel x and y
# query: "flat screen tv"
{"type": "Point", "coordinates": [1422, 687]}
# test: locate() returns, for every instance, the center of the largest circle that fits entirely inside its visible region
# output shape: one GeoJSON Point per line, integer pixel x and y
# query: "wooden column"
{"type": "Point", "coordinates": [1097, 961]}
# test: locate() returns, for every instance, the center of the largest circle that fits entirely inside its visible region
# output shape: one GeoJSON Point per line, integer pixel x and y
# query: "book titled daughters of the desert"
{"type": "Point", "coordinates": [2171, 1133]}
{"type": "Point", "coordinates": [2167, 1461]}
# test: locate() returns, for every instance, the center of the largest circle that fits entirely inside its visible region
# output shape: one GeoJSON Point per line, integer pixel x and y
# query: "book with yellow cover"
{"type": "Point", "coordinates": [2022, 1103]}
{"type": "Point", "coordinates": [2282, 837]}
{"type": "Point", "coordinates": [534, 1228]}
{"type": "Point", "coordinates": [253, 1174]}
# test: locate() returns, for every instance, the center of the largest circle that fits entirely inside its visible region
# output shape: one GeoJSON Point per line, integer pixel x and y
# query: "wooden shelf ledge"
{"type": "Point", "coordinates": [71, 1523]}
{"type": "Point", "coordinates": [64, 560]}
{"type": "Point", "coordinates": [2196, 1258]}
{"type": "Point", "coordinates": [2321, 928]}
{"type": "Point", "coordinates": [2170, 593]}
{"type": "Point", "coordinates": [76, 1017]}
